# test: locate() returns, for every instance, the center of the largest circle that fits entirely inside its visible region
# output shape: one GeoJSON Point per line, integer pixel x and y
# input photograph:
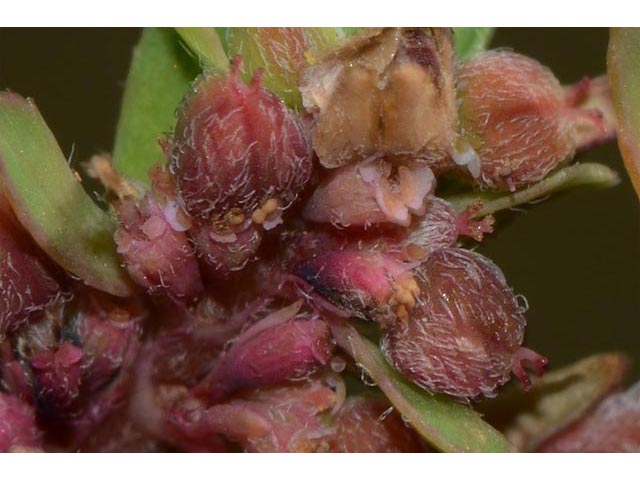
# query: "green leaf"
{"type": "Point", "coordinates": [446, 424]}
{"type": "Point", "coordinates": [623, 68]}
{"type": "Point", "coordinates": [584, 174]}
{"type": "Point", "coordinates": [556, 400]}
{"type": "Point", "coordinates": [50, 202]}
{"type": "Point", "coordinates": [282, 53]}
{"type": "Point", "coordinates": [159, 77]}
{"type": "Point", "coordinates": [471, 40]}
{"type": "Point", "coordinates": [205, 43]}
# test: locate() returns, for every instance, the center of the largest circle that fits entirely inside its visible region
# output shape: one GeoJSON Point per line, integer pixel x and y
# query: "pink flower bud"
{"type": "Point", "coordinates": [151, 237]}
{"type": "Point", "coordinates": [283, 346]}
{"type": "Point", "coordinates": [369, 193]}
{"type": "Point", "coordinates": [363, 283]}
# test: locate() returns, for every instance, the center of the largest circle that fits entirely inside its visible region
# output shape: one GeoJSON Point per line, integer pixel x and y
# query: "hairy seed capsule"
{"type": "Point", "coordinates": [368, 424]}
{"type": "Point", "coordinates": [27, 281]}
{"type": "Point", "coordinates": [239, 158]}
{"type": "Point", "coordinates": [514, 118]}
{"type": "Point", "coordinates": [463, 337]}
{"type": "Point", "coordinates": [18, 430]}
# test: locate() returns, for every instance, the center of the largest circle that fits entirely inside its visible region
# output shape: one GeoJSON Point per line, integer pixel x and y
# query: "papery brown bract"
{"type": "Point", "coordinates": [613, 426]}
{"type": "Point", "coordinates": [463, 336]}
{"type": "Point", "coordinates": [514, 118]}
{"type": "Point", "coordinates": [18, 430]}
{"type": "Point", "coordinates": [387, 93]}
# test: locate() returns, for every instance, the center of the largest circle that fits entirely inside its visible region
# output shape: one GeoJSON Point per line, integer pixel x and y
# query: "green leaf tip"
{"type": "Point", "coordinates": [282, 54]}
{"type": "Point", "coordinates": [468, 41]}
{"type": "Point", "coordinates": [577, 175]}
{"type": "Point", "coordinates": [160, 76]}
{"type": "Point", "coordinates": [556, 400]}
{"type": "Point", "coordinates": [50, 202]}
{"type": "Point", "coordinates": [446, 424]}
{"type": "Point", "coordinates": [623, 71]}
{"type": "Point", "coordinates": [206, 45]}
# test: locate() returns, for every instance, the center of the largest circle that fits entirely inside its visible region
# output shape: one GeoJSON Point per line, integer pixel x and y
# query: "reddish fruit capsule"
{"type": "Point", "coordinates": [368, 424]}
{"type": "Point", "coordinates": [513, 116]}
{"type": "Point", "coordinates": [283, 346]}
{"type": "Point", "coordinates": [239, 157]}
{"type": "Point", "coordinates": [73, 356]}
{"type": "Point", "coordinates": [278, 419]}
{"type": "Point", "coordinates": [27, 281]}
{"type": "Point", "coordinates": [18, 430]}
{"type": "Point", "coordinates": [463, 336]}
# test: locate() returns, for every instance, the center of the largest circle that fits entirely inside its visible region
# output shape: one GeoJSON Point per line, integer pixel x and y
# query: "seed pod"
{"type": "Point", "coordinates": [27, 279]}
{"type": "Point", "coordinates": [514, 118]}
{"type": "Point", "coordinates": [463, 336]}
{"type": "Point", "coordinates": [18, 430]}
{"type": "Point", "coordinates": [283, 346]}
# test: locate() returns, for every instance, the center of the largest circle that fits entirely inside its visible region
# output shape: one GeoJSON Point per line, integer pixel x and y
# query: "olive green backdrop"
{"type": "Point", "coordinates": [575, 257]}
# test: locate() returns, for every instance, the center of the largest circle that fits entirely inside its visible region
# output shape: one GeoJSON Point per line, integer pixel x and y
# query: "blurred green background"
{"type": "Point", "coordinates": [575, 257]}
